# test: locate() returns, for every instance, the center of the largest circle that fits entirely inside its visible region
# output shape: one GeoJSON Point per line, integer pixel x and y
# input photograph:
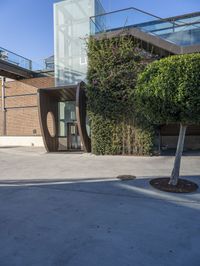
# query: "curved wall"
{"type": "Point", "coordinates": [48, 100]}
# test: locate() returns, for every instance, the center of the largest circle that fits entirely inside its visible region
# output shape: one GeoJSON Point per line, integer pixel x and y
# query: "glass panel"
{"type": "Point", "coordinates": [61, 116]}
{"type": "Point", "coordinates": [68, 128]}
{"type": "Point", "coordinates": [70, 111]}
{"type": "Point", "coordinates": [67, 114]}
{"type": "Point", "coordinates": [62, 129]}
{"type": "Point", "coordinates": [183, 31]}
{"type": "Point", "coordinates": [74, 141]}
{"type": "Point", "coordinates": [15, 59]}
{"type": "Point", "coordinates": [119, 19]}
{"type": "Point", "coordinates": [72, 27]}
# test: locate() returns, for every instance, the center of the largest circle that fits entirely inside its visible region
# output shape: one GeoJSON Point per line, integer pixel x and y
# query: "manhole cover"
{"type": "Point", "coordinates": [126, 177]}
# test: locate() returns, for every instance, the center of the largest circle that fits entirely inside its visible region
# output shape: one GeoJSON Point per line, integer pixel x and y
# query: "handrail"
{"type": "Point", "coordinates": [170, 20]}
{"type": "Point", "coordinates": [128, 9]}
{"type": "Point", "coordinates": [15, 59]}
{"type": "Point", "coordinates": [187, 15]}
{"type": "Point", "coordinates": [125, 9]}
{"type": "Point", "coordinates": [177, 26]}
{"type": "Point", "coordinates": [6, 50]}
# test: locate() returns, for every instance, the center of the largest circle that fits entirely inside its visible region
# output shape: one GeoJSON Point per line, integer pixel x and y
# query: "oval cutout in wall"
{"type": "Point", "coordinates": [51, 124]}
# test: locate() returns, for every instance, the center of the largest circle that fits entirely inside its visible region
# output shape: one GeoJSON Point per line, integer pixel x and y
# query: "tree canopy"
{"type": "Point", "coordinates": [168, 90]}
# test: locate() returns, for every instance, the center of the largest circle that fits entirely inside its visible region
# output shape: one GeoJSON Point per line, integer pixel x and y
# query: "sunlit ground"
{"type": "Point", "coordinates": [73, 211]}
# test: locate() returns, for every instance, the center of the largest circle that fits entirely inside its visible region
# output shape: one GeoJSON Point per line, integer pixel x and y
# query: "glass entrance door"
{"type": "Point", "coordinates": [68, 128]}
{"type": "Point", "coordinates": [73, 138]}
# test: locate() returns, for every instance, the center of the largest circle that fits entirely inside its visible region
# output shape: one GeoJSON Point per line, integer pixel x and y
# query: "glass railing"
{"type": "Point", "coordinates": [15, 59]}
{"type": "Point", "coordinates": [183, 30]}
{"type": "Point", "coordinates": [38, 65]}
{"type": "Point", "coordinates": [119, 19]}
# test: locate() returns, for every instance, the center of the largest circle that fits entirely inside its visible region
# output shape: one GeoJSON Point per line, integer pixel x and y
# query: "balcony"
{"type": "Point", "coordinates": [15, 59]}
{"type": "Point", "coordinates": [182, 30]}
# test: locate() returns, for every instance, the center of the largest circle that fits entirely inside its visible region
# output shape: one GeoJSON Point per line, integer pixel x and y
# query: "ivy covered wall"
{"type": "Point", "coordinates": [114, 65]}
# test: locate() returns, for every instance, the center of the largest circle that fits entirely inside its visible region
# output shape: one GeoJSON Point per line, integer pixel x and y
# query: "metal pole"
{"type": "Point", "coordinates": [3, 107]}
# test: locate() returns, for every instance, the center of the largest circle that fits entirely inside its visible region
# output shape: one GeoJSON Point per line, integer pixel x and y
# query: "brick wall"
{"type": "Point", "coordinates": [1, 123]}
{"type": "Point", "coordinates": [21, 106]}
{"type": "Point", "coordinates": [22, 122]}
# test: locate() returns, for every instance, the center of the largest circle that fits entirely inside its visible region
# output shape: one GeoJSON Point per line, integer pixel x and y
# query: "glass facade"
{"type": "Point", "coordinates": [71, 28]}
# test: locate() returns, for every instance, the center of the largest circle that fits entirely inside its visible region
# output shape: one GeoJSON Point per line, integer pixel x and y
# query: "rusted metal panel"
{"type": "Point", "coordinates": [48, 100]}
{"type": "Point", "coordinates": [81, 105]}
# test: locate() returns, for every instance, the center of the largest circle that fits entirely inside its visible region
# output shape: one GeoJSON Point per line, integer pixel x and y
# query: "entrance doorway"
{"type": "Point", "coordinates": [67, 105]}
{"type": "Point", "coordinates": [73, 137]}
{"type": "Point", "coordinates": [68, 127]}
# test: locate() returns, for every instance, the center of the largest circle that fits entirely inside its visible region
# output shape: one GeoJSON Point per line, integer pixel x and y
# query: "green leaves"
{"type": "Point", "coordinates": [169, 90]}
{"type": "Point", "coordinates": [114, 65]}
{"type": "Point", "coordinates": [123, 107]}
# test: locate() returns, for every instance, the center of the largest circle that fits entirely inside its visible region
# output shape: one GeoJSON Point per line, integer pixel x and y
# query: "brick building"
{"type": "Point", "coordinates": [74, 21]}
{"type": "Point", "coordinates": [19, 123]}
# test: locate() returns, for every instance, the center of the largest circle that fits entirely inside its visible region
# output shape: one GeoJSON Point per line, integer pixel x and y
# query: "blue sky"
{"type": "Point", "coordinates": [27, 25]}
{"type": "Point", "coordinates": [161, 8]}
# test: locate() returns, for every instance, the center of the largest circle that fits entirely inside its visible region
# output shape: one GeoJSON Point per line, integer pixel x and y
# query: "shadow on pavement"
{"type": "Point", "coordinates": [97, 222]}
{"type": "Point", "coordinates": [138, 187]}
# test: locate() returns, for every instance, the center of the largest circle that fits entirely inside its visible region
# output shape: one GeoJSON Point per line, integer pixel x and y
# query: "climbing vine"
{"type": "Point", "coordinates": [114, 66]}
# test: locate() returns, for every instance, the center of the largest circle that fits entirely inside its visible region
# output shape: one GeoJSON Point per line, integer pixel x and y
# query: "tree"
{"type": "Point", "coordinates": [168, 91]}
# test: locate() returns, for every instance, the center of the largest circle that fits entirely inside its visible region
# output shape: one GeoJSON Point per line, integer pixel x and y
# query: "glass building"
{"type": "Point", "coordinates": [71, 28]}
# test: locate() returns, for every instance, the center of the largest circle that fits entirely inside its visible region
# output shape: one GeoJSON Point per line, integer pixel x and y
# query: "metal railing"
{"type": "Point", "coordinates": [15, 59]}
{"type": "Point", "coordinates": [183, 30]}
{"type": "Point", "coordinates": [109, 21]}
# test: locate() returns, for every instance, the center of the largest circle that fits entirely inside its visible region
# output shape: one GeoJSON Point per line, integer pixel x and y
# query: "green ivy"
{"type": "Point", "coordinates": [114, 66]}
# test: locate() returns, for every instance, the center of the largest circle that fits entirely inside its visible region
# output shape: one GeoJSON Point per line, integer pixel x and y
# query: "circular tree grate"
{"type": "Point", "coordinates": [183, 186]}
{"type": "Point", "coordinates": [126, 177]}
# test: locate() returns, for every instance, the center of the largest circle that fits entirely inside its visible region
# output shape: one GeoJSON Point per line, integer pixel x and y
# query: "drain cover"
{"type": "Point", "coordinates": [126, 177]}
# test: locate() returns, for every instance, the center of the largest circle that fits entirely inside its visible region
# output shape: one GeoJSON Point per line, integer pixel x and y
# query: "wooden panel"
{"type": "Point", "coordinates": [47, 104]}
{"type": "Point", "coordinates": [81, 116]}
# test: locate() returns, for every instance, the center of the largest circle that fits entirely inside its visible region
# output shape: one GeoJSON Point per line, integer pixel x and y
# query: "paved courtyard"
{"type": "Point", "coordinates": [69, 209]}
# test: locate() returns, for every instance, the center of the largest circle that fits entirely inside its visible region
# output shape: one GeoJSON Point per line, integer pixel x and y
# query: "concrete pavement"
{"type": "Point", "coordinates": [69, 209]}
{"type": "Point", "coordinates": [33, 163]}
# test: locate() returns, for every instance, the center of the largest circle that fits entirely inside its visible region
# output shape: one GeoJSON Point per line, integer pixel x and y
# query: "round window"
{"type": "Point", "coordinates": [51, 124]}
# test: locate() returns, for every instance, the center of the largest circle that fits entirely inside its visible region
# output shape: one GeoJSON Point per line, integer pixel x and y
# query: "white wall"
{"type": "Point", "coordinates": [21, 141]}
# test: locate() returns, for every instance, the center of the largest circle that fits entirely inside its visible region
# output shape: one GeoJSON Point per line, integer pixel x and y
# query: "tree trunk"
{"type": "Point", "coordinates": [179, 150]}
